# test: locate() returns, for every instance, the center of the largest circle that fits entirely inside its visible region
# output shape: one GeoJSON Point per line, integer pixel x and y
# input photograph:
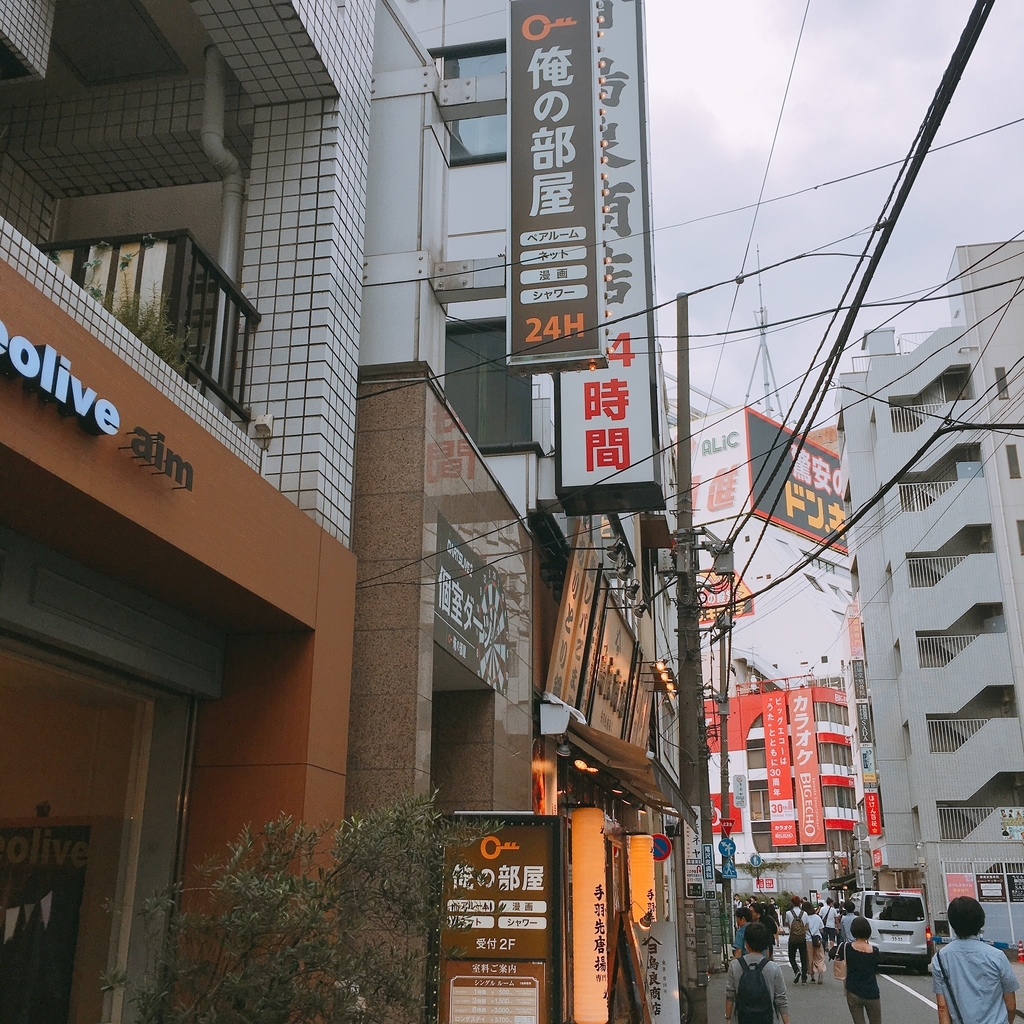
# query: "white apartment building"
{"type": "Point", "coordinates": [937, 567]}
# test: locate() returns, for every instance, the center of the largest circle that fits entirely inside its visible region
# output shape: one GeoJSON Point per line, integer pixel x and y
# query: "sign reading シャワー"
{"type": "Point", "coordinates": [607, 424]}
{"type": "Point", "coordinates": [470, 613]}
{"type": "Point", "coordinates": [554, 279]}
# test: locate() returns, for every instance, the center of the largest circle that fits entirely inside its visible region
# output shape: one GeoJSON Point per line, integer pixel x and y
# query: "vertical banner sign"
{"type": "Point", "coordinates": [805, 757]}
{"type": "Point", "coordinates": [860, 680]}
{"type": "Point", "coordinates": [780, 781]}
{"type": "Point", "coordinates": [589, 918]}
{"type": "Point", "coordinates": [607, 421]}
{"type": "Point", "coordinates": [661, 970]}
{"type": "Point", "coordinates": [693, 862]}
{"type": "Point", "coordinates": [554, 277]}
{"type": "Point", "coordinates": [873, 812]}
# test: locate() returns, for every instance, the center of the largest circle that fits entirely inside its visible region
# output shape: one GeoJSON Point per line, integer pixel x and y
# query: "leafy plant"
{"type": "Point", "coordinates": [302, 925]}
{"type": "Point", "coordinates": [149, 323]}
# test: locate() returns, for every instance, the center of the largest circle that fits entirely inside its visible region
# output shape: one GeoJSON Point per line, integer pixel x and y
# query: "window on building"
{"type": "Point", "coordinates": [828, 712]}
{"type": "Point", "coordinates": [759, 805]}
{"type": "Point", "coordinates": [1001, 385]}
{"type": "Point", "coordinates": [756, 755]}
{"type": "Point", "coordinates": [1013, 461]}
{"type": "Point", "coordinates": [495, 406]}
{"type": "Point", "coordinates": [834, 753]}
{"type": "Point", "coordinates": [474, 61]}
{"type": "Point", "coordinates": [478, 140]}
{"type": "Point", "coordinates": [813, 582]}
{"type": "Point", "coordinates": [838, 796]}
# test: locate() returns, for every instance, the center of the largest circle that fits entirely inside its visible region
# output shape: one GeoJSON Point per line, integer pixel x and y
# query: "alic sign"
{"type": "Point", "coordinates": [46, 371]}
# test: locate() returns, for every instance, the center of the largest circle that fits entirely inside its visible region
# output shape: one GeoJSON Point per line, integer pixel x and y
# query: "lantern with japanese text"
{"type": "Point", "coordinates": [641, 880]}
{"type": "Point", "coordinates": [589, 917]}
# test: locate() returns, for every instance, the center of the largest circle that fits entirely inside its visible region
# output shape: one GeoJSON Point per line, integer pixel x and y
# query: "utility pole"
{"type": "Point", "coordinates": [723, 742]}
{"type": "Point", "coordinates": [692, 913]}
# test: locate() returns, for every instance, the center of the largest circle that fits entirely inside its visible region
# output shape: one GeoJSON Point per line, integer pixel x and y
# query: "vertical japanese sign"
{"type": "Point", "coordinates": [804, 493]}
{"type": "Point", "coordinates": [860, 679]}
{"type": "Point", "coordinates": [720, 457]}
{"type": "Point", "coordinates": [470, 612]}
{"type": "Point", "coordinates": [502, 925]}
{"type": "Point", "coordinates": [554, 279]}
{"type": "Point", "coordinates": [873, 811]}
{"type": "Point", "coordinates": [693, 861]}
{"type": "Point", "coordinates": [607, 419]}
{"type": "Point", "coordinates": [661, 970]}
{"type": "Point", "coordinates": [780, 781]}
{"type": "Point", "coordinates": [805, 762]}
{"type": "Point", "coordinates": [612, 689]}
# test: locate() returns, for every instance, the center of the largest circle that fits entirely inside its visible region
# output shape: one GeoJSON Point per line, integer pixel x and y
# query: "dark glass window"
{"type": "Point", "coordinates": [495, 406]}
{"type": "Point", "coordinates": [1001, 385]}
{"type": "Point", "coordinates": [478, 140]}
{"type": "Point", "coordinates": [1013, 461]}
{"type": "Point", "coordinates": [475, 65]}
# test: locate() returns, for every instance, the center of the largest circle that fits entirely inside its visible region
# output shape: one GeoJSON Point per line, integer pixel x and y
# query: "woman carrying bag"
{"type": "Point", "coordinates": [856, 964]}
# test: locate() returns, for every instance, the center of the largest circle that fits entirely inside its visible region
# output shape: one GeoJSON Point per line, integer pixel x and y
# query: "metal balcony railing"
{"type": "Point", "coordinates": [202, 305]}
{"type": "Point", "coordinates": [907, 418]}
{"type": "Point", "coordinates": [918, 497]}
{"type": "Point", "coordinates": [957, 823]}
{"type": "Point", "coordinates": [948, 735]}
{"type": "Point", "coordinates": [928, 570]}
{"type": "Point", "coordinates": [939, 651]}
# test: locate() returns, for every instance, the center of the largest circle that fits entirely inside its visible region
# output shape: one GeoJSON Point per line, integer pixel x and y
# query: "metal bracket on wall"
{"type": "Point", "coordinates": [397, 268]}
{"type": "Point", "coordinates": [484, 96]}
{"type": "Point", "coordinates": [404, 82]}
{"type": "Point", "coordinates": [467, 280]}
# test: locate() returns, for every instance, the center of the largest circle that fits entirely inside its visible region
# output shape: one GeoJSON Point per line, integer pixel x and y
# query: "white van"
{"type": "Point", "coordinates": [899, 927]}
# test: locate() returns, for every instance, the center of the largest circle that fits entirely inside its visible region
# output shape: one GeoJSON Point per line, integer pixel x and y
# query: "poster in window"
{"type": "Point", "coordinates": [42, 880]}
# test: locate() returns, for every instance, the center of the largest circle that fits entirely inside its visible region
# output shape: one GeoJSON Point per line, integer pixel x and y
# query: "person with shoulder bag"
{"type": "Point", "coordinates": [816, 946]}
{"type": "Point", "coordinates": [856, 964]}
{"type": "Point", "coordinates": [755, 990]}
{"type": "Point", "coordinates": [972, 981]}
{"type": "Point", "coordinates": [796, 922]}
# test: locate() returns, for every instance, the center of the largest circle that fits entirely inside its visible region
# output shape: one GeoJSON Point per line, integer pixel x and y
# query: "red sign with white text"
{"type": "Point", "coordinates": [780, 781]}
{"type": "Point", "coordinates": [805, 757]}
{"type": "Point", "coordinates": [873, 813]}
{"type": "Point", "coordinates": [735, 814]}
{"type": "Point", "coordinates": [877, 858]}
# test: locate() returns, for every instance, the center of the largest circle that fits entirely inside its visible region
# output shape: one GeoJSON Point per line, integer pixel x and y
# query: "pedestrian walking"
{"type": "Point", "coordinates": [830, 922]}
{"type": "Point", "coordinates": [816, 946]}
{"type": "Point", "coordinates": [755, 990]}
{"type": "Point", "coordinates": [796, 922]}
{"type": "Point", "coordinates": [763, 914]}
{"type": "Point", "coordinates": [849, 916]}
{"type": "Point", "coordinates": [861, 960]}
{"type": "Point", "coordinates": [972, 981]}
{"type": "Point", "coordinates": [743, 918]}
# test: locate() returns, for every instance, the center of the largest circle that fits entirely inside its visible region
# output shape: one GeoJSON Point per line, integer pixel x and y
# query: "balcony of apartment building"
{"type": "Point", "coordinates": [974, 818]}
{"type": "Point", "coordinates": [938, 649]}
{"type": "Point", "coordinates": [931, 404]}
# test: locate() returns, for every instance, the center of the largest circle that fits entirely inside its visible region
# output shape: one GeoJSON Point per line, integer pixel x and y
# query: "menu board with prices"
{"type": "Point", "coordinates": [478, 992]}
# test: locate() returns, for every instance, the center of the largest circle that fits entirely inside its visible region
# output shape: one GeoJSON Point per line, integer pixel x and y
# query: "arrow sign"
{"type": "Point", "coordinates": [727, 848]}
{"type": "Point", "coordinates": [728, 869]}
{"type": "Point", "coordinates": [756, 860]}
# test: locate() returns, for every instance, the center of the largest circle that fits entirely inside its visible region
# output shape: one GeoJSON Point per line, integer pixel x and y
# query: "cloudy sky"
{"type": "Point", "coordinates": [864, 76]}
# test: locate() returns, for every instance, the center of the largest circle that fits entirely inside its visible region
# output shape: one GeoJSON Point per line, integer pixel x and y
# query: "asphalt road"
{"type": "Point", "coordinates": [906, 999]}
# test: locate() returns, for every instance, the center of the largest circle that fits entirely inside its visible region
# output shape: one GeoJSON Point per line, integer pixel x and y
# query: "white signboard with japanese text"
{"type": "Point", "coordinates": [661, 971]}
{"type": "Point", "coordinates": [607, 421]}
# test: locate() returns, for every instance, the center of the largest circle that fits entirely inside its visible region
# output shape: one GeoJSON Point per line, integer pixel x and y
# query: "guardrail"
{"type": "Point", "coordinates": [918, 497]}
{"type": "Point", "coordinates": [957, 823]}
{"type": "Point", "coordinates": [939, 651]}
{"type": "Point", "coordinates": [929, 570]}
{"type": "Point", "coordinates": [948, 735]}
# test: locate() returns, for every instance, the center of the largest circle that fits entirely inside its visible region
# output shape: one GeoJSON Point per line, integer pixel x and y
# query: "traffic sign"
{"type": "Point", "coordinates": [727, 848]}
{"type": "Point", "coordinates": [756, 860]}
{"type": "Point", "coordinates": [728, 869]}
{"type": "Point", "coordinates": [662, 846]}
{"type": "Point", "coordinates": [727, 826]}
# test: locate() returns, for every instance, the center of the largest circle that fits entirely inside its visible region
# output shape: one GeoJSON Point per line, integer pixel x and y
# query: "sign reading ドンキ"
{"type": "Point", "coordinates": [470, 611]}
{"type": "Point", "coordinates": [502, 926]}
{"type": "Point", "coordinates": [554, 284]}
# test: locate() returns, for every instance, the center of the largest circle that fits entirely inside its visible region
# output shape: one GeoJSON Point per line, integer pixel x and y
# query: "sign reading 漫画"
{"type": "Point", "coordinates": [470, 613]}
{"type": "Point", "coordinates": [502, 925]}
{"type": "Point", "coordinates": [607, 423]}
{"type": "Point", "coordinates": [553, 278]}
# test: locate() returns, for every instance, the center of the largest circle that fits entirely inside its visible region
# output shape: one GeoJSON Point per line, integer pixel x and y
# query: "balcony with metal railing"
{"type": "Point", "coordinates": [939, 651]}
{"type": "Point", "coordinates": [957, 823]}
{"type": "Point", "coordinates": [917, 497]}
{"type": "Point", "coordinates": [930, 570]}
{"type": "Point", "coordinates": [906, 419]}
{"type": "Point", "coordinates": [165, 288]}
{"type": "Point", "coordinates": [948, 735]}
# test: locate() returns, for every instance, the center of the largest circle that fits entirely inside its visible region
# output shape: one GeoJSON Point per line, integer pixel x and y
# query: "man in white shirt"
{"type": "Point", "coordinates": [830, 922]}
{"type": "Point", "coordinates": [816, 947]}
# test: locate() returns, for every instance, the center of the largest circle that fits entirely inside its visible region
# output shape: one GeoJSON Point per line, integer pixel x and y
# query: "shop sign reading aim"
{"type": "Point", "coordinates": [44, 370]}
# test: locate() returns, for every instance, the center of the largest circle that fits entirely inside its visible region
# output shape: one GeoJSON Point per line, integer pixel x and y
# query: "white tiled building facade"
{"type": "Point", "coordinates": [939, 567]}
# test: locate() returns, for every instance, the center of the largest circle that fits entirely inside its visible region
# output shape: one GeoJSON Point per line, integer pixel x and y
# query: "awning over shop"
{"type": "Point", "coordinates": [633, 768]}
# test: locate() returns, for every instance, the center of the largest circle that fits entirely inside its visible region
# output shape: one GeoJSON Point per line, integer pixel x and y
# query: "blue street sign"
{"type": "Point", "coordinates": [755, 860]}
{"type": "Point", "coordinates": [726, 847]}
{"type": "Point", "coordinates": [728, 868]}
{"type": "Point", "coordinates": [708, 855]}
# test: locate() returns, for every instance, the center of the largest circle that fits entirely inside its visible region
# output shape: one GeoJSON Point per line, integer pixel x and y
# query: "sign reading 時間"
{"type": "Point", "coordinates": [553, 277]}
{"type": "Point", "coordinates": [502, 907]}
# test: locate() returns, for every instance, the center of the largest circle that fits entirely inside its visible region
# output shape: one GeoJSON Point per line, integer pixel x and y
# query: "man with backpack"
{"type": "Point", "coordinates": [796, 921]}
{"type": "Point", "coordinates": [755, 990]}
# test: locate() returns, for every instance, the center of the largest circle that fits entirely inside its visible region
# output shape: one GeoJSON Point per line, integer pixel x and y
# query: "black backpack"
{"type": "Point", "coordinates": [754, 1004]}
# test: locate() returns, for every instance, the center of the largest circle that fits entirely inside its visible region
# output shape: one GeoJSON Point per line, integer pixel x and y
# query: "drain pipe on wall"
{"type": "Point", "coordinates": [233, 191]}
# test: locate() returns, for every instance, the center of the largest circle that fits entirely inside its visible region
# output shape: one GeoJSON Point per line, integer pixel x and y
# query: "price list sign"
{"type": "Point", "coordinates": [502, 921]}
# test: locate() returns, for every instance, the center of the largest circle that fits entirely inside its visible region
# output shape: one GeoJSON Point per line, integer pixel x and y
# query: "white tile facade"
{"type": "Point", "coordinates": [25, 30]}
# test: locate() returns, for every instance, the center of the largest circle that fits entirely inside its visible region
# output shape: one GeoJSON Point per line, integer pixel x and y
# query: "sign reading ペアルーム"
{"type": "Point", "coordinates": [44, 370]}
{"type": "Point", "coordinates": [553, 277]}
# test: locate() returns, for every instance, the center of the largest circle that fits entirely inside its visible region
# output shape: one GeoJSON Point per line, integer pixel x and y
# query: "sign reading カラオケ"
{"type": "Point", "coordinates": [553, 277]}
{"type": "Point", "coordinates": [608, 430]}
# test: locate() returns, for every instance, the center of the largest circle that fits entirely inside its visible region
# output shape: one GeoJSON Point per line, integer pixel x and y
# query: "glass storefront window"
{"type": "Point", "coordinates": [71, 794]}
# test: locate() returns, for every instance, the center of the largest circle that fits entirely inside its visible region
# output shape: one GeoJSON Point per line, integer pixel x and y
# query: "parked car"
{"type": "Point", "coordinates": [899, 927]}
